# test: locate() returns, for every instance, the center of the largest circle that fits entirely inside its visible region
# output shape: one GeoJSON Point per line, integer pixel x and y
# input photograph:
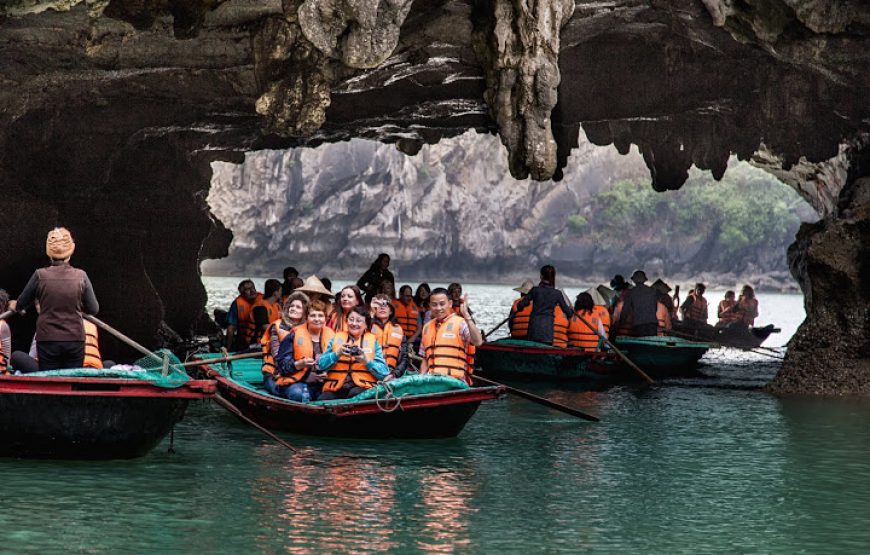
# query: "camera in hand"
{"type": "Point", "coordinates": [354, 351]}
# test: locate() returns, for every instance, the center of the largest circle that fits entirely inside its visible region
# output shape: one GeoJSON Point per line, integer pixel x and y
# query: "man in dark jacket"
{"type": "Point", "coordinates": [64, 294]}
{"type": "Point", "coordinates": [640, 306]}
{"type": "Point", "coordinates": [544, 298]}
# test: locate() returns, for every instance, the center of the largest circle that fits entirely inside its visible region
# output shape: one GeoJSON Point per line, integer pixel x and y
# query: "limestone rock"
{"type": "Point", "coordinates": [360, 33]}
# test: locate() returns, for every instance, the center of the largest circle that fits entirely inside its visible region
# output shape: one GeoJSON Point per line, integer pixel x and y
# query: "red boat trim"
{"type": "Point", "coordinates": [103, 387]}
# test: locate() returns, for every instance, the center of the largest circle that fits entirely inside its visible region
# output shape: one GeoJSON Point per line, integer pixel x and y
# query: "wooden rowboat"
{"type": "Point", "coordinates": [421, 416]}
{"type": "Point", "coordinates": [89, 417]}
{"type": "Point", "coordinates": [736, 335]}
{"type": "Point", "coordinates": [663, 356]}
{"type": "Point", "coordinates": [528, 359]}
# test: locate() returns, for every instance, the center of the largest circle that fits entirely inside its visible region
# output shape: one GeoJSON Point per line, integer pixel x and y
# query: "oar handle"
{"type": "Point", "coordinates": [204, 362]}
{"type": "Point", "coordinates": [607, 342]}
{"type": "Point", "coordinates": [540, 400]}
{"type": "Point", "coordinates": [500, 324]}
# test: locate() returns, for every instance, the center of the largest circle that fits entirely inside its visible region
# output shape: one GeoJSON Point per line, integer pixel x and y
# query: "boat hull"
{"type": "Point", "coordinates": [662, 357]}
{"type": "Point", "coordinates": [88, 418]}
{"type": "Point", "coordinates": [736, 336]}
{"type": "Point", "coordinates": [429, 416]}
{"type": "Point", "coordinates": [527, 360]}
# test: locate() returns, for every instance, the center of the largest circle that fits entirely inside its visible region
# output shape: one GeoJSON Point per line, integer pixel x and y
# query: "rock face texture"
{"type": "Point", "coordinates": [111, 112]}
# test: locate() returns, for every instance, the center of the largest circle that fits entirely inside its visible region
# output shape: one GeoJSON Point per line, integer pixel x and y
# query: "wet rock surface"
{"type": "Point", "coordinates": [112, 110]}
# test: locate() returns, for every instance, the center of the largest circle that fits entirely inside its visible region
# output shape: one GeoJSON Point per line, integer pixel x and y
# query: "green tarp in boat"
{"type": "Point", "coordinates": [248, 373]}
{"type": "Point", "coordinates": [151, 371]}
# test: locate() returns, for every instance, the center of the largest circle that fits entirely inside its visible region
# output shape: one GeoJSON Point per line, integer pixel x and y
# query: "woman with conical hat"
{"type": "Point", "coordinates": [315, 289]}
{"type": "Point", "coordinates": [64, 294]}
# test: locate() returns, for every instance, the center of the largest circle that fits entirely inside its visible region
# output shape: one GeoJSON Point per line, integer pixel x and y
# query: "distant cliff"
{"type": "Point", "coordinates": [453, 211]}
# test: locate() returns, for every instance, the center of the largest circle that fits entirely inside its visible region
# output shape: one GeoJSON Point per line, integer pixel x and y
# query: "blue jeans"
{"type": "Point", "coordinates": [295, 392]}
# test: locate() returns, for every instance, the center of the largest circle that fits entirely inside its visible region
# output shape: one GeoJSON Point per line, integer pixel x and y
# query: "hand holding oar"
{"type": "Point", "coordinates": [500, 324]}
{"type": "Point", "coordinates": [540, 400]}
{"type": "Point", "coordinates": [221, 401]}
{"type": "Point", "coordinates": [607, 342]}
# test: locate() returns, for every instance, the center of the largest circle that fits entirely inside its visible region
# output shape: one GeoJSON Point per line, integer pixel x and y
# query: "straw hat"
{"type": "Point", "coordinates": [59, 244]}
{"type": "Point", "coordinates": [525, 287]}
{"type": "Point", "coordinates": [597, 297]}
{"type": "Point", "coordinates": [313, 285]}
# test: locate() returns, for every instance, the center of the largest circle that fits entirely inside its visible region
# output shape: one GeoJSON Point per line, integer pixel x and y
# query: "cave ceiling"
{"type": "Point", "coordinates": [111, 111]}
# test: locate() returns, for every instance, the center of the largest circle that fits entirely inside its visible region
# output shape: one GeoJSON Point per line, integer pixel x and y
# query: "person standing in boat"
{"type": "Point", "coordinates": [353, 360]}
{"type": "Point", "coordinates": [640, 307]}
{"type": "Point", "coordinates": [519, 321]}
{"type": "Point", "coordinates": [548, 321]}
{"type": "Point", "coordinates": [64, 294]}
{"type": "Point", "coordinates": [378, 272]}
{"type": "Point", "coordinates": [449, 338]}
{"type": "Point", "coordinates": [694, 308]}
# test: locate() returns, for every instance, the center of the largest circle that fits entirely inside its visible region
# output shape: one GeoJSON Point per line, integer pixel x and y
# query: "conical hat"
{"type": "Point", "coordinates": [661, 286]}
{"type": "Point", "coordinates": [606, 293]}
{"type": "Point", "coordinates": [525, 287]}
{"type": "Point", "coordinates": [597, 297]}
{"type": "Point", "coordinates": [313, 285]}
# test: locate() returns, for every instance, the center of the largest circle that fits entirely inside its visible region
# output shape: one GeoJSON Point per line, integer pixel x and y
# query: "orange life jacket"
{"type": "Point", "coordinates": [273, 309]}
{"type": "Point", "coordinates": [520, 323]}
{"type": "Point", "coordinates": [269, 366]}
{"type": "Point", "coordinates": [92, 346]}
{"type": "Point", "coordinates": [407, 316]}
{"type": "Point", "coordinates": [245, 310]}
{"type": "Point", "coordinates": [663, 315]}
{"type": "Point", "coordinates": [579, 333]}
{"type": "Point", "coordinates": [446, 352]}
{"type": "Point", "coordinates": [748, 310]}
{"type": "Point", "coordinates": [346, 366]}
{"type": "Point", "coordinates": [723, 306]}
{"type": "Point", "coordinates": [303, 347]}
{"type": "Point", "coordinates": [390, 337]}
{"type": "Point", "coordinates": [337, 321]}
{"type": "Point", "coordinates": [697, 311]}
{"type": "Point", "coordinates": [560, 328]}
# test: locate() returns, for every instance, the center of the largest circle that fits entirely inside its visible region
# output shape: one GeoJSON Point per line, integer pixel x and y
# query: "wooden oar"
{"type": "Point", "coordinates": [233, 409]}
{"type": "Point", "coordinates": [221, 401]}
{"type": "Point", "coordinates": [607, 342]}
{"type": "Point", "coordinates": [540, 400]}
{"type": "Point", "coordinates": [206, 362]}
{"type": "Point", "coordinates": [529, 396]}
{"type": "Point", "coordinates": [490, 332]}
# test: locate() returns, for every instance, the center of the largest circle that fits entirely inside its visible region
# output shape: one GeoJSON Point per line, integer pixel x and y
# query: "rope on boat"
{"type": "Point", "coordinates": [385, 407]}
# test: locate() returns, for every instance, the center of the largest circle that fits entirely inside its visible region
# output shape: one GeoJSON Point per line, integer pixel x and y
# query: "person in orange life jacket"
{"type": "Point", "coordinates": [353, 360]}
{"type": "Point", "coordinates": [455, 291]}
{"type": "Point", "coordinates": [694, 308]}
{"type": "Point", "coordinates": [586, 323]}
{"type": "Point", "coordinates": [293, 314]}
{"type": "Point", "coordinates": [746, 308]}
{"type": "Point", "coordinates": [448, 337]}
{"type": "Point", "coordinates": [545, 298]}
{"type": "Point", "coordinates": [64, 294]}
{"type": "Point", "coordinates": [5, 336]}
{"type": "Point", "coordinates": [519, 323]}
{"type": "Point", "coordinates": [268, 309]}
{"type": "Point", "coordinates": [664, 308]}
{"type": "Point", "coordinates": [370, 282]}
{"type": "Point", "coordinates": [299, 355]}
{"type": "Point", "coordinates": [640, 306]}
{"type": "Point", "coordinates": [407, 314]}
{"type": "Point", "coordinates": [390, 335]}
{"type": "Point", "coordinates": [316, 289]}
{"type": "Point", "coordinates": [725, 315]}
{"type": "Point", "coordinates": [665, 291]}
{"type": "Point", "coordinates": [240, 317]}
{"type": "Point", "coordinates": [346, 299]}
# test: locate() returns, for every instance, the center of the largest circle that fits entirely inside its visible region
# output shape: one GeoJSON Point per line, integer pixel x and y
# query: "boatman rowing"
{"type": "Point", "coordinates": [449, 338]}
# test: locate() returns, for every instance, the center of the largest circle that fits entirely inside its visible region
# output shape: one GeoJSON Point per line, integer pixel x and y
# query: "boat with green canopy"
{"type": "Point", "coordinates": [413, 406]}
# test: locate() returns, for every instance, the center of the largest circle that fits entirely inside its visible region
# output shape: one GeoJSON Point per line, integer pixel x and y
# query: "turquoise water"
{"type": "Point", "coordinates": [707, 464]}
